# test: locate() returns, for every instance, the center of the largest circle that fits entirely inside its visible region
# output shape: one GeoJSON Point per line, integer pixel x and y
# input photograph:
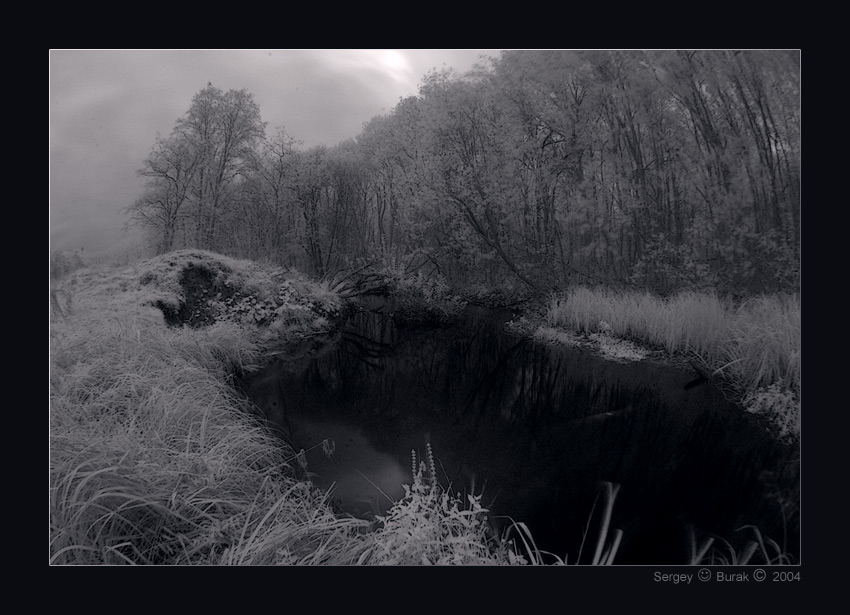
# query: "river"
{"type": "Point", "coordinates": [535, 430]}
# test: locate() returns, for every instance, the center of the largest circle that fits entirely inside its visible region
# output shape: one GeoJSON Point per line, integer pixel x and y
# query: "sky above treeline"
{"type": "Point", "coordinates": [107, 107]}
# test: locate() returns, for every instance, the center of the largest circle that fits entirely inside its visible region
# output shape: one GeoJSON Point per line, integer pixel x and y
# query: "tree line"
{"type": "Point", "coordinates": [664, 170]}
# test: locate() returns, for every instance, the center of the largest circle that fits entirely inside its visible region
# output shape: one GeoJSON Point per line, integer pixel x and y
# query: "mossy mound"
{"type": "Point", "coordinates": [196, 288]}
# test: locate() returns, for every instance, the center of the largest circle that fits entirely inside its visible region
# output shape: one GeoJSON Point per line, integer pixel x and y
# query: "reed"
{"type": "Point", "coordinates": [607, 542]}
{"type": "Point", "coordinates": [605, 551]}
{"type": "Point", "coordinates": [686, 322]}
{"type": "Point", "coordinates": [759, 550]}
{"type": "Point", "coordinates": [753, 345]}
{"type": "Point", "coordinates": [698, 323]}
{"type": "Point", "coordinates": [765, 343]}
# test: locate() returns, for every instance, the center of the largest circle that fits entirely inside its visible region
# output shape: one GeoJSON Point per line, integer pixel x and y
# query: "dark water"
{"type": "Point", "coordinates": [535, 429]}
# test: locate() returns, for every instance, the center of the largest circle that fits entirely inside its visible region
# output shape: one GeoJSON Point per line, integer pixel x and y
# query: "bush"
{"type": "Point", "coordinates": [422, 293]}
{"type": "Point", "coordinates": [666, 268]}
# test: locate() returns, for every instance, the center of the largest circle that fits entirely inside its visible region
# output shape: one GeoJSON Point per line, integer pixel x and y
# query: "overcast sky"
{"type": "Point", "coordinates": [107, 107]}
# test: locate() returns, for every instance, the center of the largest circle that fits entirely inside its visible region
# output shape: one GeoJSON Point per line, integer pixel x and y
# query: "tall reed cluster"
{"type": "Point", "coordinates": [755, 344]}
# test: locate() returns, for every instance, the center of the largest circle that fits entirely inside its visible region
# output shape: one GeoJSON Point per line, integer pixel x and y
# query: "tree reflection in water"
{"type": "Point", "coordinates": [538, 429]}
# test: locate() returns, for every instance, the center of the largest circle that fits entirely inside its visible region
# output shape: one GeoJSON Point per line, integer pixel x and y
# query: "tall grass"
{"type": "Point", "coordinates": [764, 346]}
{"type": "Point", "coordinates": [754, 345]}
{"type": "Point", "coordinates": [155, 459]}
{"type": "Point", "coordinates": [686, 322]}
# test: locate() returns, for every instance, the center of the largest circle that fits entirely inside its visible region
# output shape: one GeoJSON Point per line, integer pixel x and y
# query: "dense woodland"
{"type": "Point", "coordinates": [659, 170]}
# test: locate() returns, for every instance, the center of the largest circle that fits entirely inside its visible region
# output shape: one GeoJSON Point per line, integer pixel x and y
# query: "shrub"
{"type": "Point", "coordinates": [422, 293]}
{"type": "Point", "coordinates": [665, 268]}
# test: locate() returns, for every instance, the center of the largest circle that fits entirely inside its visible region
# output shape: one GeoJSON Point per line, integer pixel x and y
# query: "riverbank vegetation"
{"type": "Point", "coordinates": [753, 347]}
{"type": "Point", "coordinates": [155, 458]}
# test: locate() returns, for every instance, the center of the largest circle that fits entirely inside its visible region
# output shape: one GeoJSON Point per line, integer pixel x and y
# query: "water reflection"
{"type": "Point", "coordinates": [536, 428]}
{"type": "Point", "coordinates": [361, 480]}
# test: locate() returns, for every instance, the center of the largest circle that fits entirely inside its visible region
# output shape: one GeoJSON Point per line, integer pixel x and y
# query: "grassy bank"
{"type": "Point", "coordinates": [754, 346]}
{"type": "Point", "coordinates": [155, 459]}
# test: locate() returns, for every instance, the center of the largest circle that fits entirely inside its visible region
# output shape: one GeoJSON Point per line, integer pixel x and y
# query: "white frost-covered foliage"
{"type": "Point", "coordinates": [601, 341]}
{"type": "Point", "coordinates": [236, 291]}
{"type": "Point", "coordinates": [779, 406]}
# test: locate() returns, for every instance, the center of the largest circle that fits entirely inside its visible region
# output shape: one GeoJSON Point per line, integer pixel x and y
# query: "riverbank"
{"type": "Point", "coordinates": [751, 350]}
{"type": "Point", "coordinates": [155, 458]}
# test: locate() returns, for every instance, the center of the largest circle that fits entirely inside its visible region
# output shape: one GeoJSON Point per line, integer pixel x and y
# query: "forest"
{"type": "Point", "coordinates": [663, 171]}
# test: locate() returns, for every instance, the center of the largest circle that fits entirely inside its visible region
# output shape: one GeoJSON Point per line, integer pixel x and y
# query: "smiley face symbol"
{"type": "Point", "coordinates": [704, 574]}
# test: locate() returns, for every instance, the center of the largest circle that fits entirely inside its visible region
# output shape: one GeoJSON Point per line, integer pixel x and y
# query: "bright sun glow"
{"type": "Point", "coordinates": [387, 62]}
{"type": "Point", "coordinates": [393, 60]}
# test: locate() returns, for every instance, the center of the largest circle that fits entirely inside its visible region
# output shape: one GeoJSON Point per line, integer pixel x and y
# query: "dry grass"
{"type": "Point", "coordinates": [686, 322]}
{"type": "Point", "coordinates": [754, 346]}
{"type": "Point", "coordinates": [154, 458]}
{"type": "Point", "coordinates": [765, 343]}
